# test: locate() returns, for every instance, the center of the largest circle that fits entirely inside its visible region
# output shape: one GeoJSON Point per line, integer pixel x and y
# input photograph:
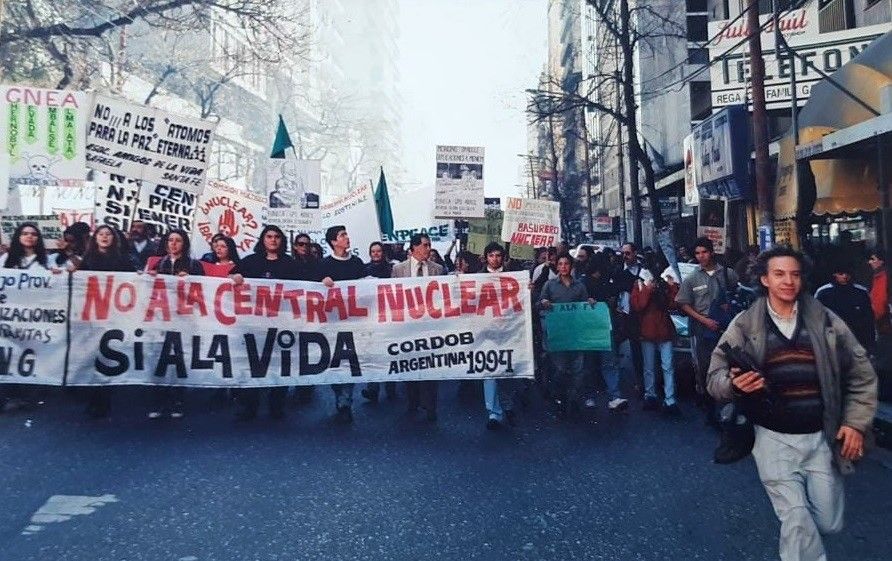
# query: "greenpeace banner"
{"type": "Point", "coordinates": [224, 209]}
{"type": "Point", "coordinates": [33, 323]}
{"type": "Point", "coordinates": [140, 142]}
{"type": "Point", "coordinates": [532, 222]}
{"type": "Point", "coordinates": [459, 182]}
{"type": "Point", "coordinates": [204, 331]}
{"type": "Point", "coordinates": [42, 133]}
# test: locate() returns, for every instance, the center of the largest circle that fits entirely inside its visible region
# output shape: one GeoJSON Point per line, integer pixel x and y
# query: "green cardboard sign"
{"type": "Point", "coordinates": [578, 326]}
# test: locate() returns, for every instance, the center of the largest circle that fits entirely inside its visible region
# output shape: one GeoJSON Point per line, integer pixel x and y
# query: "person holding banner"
{"type": "Point", "coordinates": [380, 268]}
{"type": "Point", "coordinates": [568, 365]}
{"type": "Point", "coordinates": [341, 266]}
{"type": "Point", "coordinates": [223, 257]}
{"type": "Point", "coordinates": [420, 394]}
{"type": "Point", "coordinates": [498, 395]}
{"type": "Point", "coordinates": [26, 251]}
{"type": "Point", "coordinates": [270, 260]}
{"type": "Point", "coordinates": [103, 254]}
{"type": "Point", "coordinates": [177, 261]}
{"type": "Point", "coordinates": [598, 279]}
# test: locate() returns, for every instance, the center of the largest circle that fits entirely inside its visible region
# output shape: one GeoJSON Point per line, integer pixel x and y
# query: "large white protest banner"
{"type": "Point", "coordinates": [140, 142]}
{"type": "Point", "coordinates": [42, 133]}
{"type": "Point", "coordinates": [233, 212]}
{"type": "Point", "coordinates": [48, 224]}
{"type": "Point", "coordinates": [459, 183]}
{"type": "Point", "coordinates": [293, 189]}
{"type": "Point", "coordinates": [121, 200]}
{"type": "Point", "coordinates": [532, 222]}
{"type": "Point", "coordinates": [205, 331]}
{"type": "Point", "coordinates": [33, 324]}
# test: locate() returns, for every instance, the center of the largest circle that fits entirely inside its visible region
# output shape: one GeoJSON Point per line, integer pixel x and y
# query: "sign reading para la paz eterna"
{"type": "Point", "coordinates": [42, 134]}
{"type": "Point", "coordinates": [532, 222]}
{"type": "Point", "coordinates": [140, 142]}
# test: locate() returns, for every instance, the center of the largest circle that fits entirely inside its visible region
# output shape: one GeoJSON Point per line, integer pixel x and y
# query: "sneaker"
{"type": "Point", "coordinates": [618, 404]}
{"type": "Point", "coordinates": [344, 416]}
{"type": "Point", "coordinates": [672, 410]}
{"type": "Point", "coordinates": [493, 424]}
{"type": "Point", "coordinates": [155, 414]}
{"type": "Point", "coordinates": [176, 412]}
{"type": "Point", "coordinates": [370, 396]}
{"type": "Point", "coordinates": [590, 403]}
{"type": "Point", "coordinates": [650, 404]}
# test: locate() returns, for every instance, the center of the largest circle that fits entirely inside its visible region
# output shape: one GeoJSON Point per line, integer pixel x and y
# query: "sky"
{"type": "Point", "coordinates": [464, 67]}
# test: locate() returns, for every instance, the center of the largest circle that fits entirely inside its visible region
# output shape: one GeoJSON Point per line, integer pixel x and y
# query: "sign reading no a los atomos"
{"type": "Point", "coordinates": [532, 222]}
{"type": "Point", "coordinates": [139, 142]}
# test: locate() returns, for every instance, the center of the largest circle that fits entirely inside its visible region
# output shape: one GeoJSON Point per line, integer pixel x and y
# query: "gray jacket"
{"type": "Point", "coordinates": [848, 381]}
{"type": "Point", "coordinates": [404, 269]}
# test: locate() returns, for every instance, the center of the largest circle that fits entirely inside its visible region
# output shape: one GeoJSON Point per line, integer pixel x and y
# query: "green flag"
{"type": "Point", "coordinates": [282, 141]}
{"type": "Point", "coordinates": [382, 203]}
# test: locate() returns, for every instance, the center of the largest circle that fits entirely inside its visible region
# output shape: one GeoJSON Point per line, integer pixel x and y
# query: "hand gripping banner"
{"type": "Point", "coordinates": [209, 332]}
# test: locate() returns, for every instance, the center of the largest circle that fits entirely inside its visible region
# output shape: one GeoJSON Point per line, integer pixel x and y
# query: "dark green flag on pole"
{"type": "Point", "coordinates": [382, 203]}
{"type": "Point", "coordinates": [282, 141]}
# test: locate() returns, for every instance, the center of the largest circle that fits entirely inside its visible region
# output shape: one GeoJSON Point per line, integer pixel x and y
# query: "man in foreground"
{"type": "Point", "coordinates": [811, 398]}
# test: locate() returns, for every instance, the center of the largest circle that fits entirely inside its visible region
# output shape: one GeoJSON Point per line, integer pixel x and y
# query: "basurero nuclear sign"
{"type": "Point", "coordinates": [730, 72]}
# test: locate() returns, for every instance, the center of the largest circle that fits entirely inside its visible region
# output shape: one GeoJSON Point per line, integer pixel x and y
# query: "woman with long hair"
{"type": "Point", "coordinates": [104, 253]}
{"type": "Point", "coordinates": [177, 258]}
{"type": "Point", "coordinates": [176, 261]}
{"type": "Point", "coordinates": [270, 260]}
{"type": "Point", "coordinates": [223, 257]}
{"type": "Point", "coordinates": [26, 249]}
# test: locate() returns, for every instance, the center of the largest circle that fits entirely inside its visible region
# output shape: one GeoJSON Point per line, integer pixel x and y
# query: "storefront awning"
{"type": "Point", "coordinates": [843, 176]}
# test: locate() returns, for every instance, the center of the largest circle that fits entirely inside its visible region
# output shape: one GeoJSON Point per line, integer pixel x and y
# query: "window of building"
{"type": "Point", "coordinates": [835, 15]}
{"type": "Point", "coordinates": [696, 5]}
{"type": "Point", "coordinates": [697, 29]}
{"type": "Point", "coordinates": [698, 56]}
{"type": "Point", "coordinates": [765, 6]}
{"type": "Point", "coordinates": [701, 100]}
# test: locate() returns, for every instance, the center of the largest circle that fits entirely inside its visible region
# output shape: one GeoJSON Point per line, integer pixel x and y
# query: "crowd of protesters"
{"type": "Point", "coordinates": [641, 289]}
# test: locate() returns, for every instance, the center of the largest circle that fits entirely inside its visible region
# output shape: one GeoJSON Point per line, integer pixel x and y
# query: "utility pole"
{"type": "Point", "coordinates": [588, 174]}
{"type": "Point", "coordinates": [621, 166]}
{"type": "Point", "coordinates": [764, 191]}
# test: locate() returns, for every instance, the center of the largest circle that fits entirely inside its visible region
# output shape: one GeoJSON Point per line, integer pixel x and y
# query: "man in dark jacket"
{"type": "Point", "coordinates": [851, 302]}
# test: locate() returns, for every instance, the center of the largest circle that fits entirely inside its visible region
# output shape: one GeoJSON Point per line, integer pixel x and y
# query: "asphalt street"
{"type": "Point", "coordinates": [629, 486]}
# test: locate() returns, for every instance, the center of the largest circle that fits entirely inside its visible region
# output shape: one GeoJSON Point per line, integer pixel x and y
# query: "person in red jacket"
{"type": "Point", "coordinates": [652, 301]}
{"type": "Point", "coordinates": [879, 291]}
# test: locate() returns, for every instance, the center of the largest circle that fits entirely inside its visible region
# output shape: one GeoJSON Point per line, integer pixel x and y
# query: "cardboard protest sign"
{"type": "Point", "coordinates": [459, 182]}
{"type": "Point", "coordinates": [712, 219]}
{"type": "Point", "coordinates": [48, 224]}
{"type": "Point", "coordinates": [42, 133]}
{"type": "Point", "coordinates": [293, 189]}
{"type": "Point", "coordinates": [149, 144]}
{"type": "Point", "coordinates": [578, 326]}
{"type": "Point", "coordinates": [120, 201]}
{"type": "Point", "coordinates": [482, 231]}
{"type": "Point", "coordinates": [33, 325]}
{"type": "Point", "coordinates": [532, 222]}
{"type": "Point", "coordinates": [205, 331]}
{"type": "Point", "coordinates": [69, 216]}
{"type": "Point", "coordinates": [224, 209]}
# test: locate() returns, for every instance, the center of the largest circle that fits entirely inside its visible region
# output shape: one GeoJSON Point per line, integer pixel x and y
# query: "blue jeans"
{"type": "Point", "coordinates": [498, 396]}
{"type": "Point", "coordinates": [610, 372]}
{"type": "Point", "coordinates": [649, 350]}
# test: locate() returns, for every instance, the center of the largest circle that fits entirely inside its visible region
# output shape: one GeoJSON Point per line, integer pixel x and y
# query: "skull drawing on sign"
{"type": "Point", "coordinates": [38, 171]}
{"type": "Point", "coordinates": [226, 225]}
